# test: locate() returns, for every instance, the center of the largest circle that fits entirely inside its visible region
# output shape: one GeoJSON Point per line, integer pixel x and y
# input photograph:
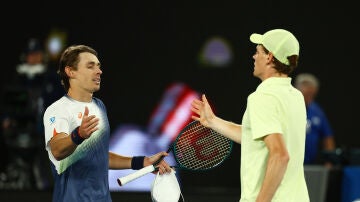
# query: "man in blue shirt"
{"type": "Point", "coordinates": [318, 129]}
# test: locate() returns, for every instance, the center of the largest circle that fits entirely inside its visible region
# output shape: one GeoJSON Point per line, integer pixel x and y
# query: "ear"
{"type": "Point", "coordinates": [68, 71]}
{"type": "Point", "coordinates": [270, 57]}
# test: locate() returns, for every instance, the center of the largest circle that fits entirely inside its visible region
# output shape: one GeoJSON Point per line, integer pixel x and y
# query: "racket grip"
{"type": "Point", "coordinates": [128, 178]}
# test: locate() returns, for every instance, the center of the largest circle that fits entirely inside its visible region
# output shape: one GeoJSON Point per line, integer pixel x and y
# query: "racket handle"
{"type": "Point", "coordinates": [128, 178]}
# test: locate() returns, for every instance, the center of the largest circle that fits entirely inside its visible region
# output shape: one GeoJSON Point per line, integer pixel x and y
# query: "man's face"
{"type": "Point", "coordinates": [260, 61]}
{"type": "Point", "coordinates": [309, 91]}
{"type": "Point", "coordinates": [87, 76]}
{"type": "Point", "coordinates": [35, 57]}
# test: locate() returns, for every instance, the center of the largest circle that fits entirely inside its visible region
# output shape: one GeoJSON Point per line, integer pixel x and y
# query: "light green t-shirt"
{"type": "Point", "coordinates": [275, 107]}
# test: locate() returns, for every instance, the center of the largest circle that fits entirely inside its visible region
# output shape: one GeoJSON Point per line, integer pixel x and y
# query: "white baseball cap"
{"type": "Point", "coordinates": [281, 43]}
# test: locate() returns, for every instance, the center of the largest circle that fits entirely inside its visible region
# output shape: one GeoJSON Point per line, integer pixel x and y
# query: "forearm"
{"type": "Point", "coordinates": [227, 128]}
{"type": "Point", "coordinates": [62, 146]}
{"type": "Point", "coordinates": [275, 170]}
{"type": "Point", "coordinates": [119, 162]}
{"type": "Point", "coordinates": [329, 143]}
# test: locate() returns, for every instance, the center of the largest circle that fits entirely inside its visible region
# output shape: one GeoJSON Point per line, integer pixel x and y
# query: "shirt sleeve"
{"type": "Point", "coordinates": [55, 121]}
{"type": "Point", "coordinates": [264, 115]}
{"type": "Point", "coordinates": [325, 127]}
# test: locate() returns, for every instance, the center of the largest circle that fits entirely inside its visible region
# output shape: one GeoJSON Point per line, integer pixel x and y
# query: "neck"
{"type": "Point", "coordinates": [274, 74]}
{"type": "Point", "coordinates": [82, 97]}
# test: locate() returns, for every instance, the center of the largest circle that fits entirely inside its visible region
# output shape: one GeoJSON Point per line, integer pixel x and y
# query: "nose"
{"type": "Point", "coordinates": [99, 71]}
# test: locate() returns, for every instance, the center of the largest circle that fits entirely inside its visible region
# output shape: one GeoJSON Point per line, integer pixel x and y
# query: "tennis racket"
{"type": "Point", "coordinates": [196, 148]}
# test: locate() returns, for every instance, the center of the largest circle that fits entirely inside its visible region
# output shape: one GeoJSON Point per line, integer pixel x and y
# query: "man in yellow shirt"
{"type": "Point", "coordinates": [272, 132]}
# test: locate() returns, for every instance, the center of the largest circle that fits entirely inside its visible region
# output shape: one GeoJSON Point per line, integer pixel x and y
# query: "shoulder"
{"type": "Point", "coordinates": [99, 102]}
{"type": "Point", "coordinates": [316, 108]}
{"type": "Point", "coordinates": [59, 104]}
{"type": "Point", "coordinates": [259, 100]}
{"type": "Point", "coordinates": [263, 94]}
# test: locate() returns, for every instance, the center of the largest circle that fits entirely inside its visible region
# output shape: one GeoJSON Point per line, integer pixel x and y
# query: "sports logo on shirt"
{"type": "Point", "coordinates": [52, 120]}
{"type": "Point", "coordinates": [79, 115]}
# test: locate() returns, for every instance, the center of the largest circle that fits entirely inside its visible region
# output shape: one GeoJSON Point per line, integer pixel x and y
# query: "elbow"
{"type": "Point", "coordinates": [57, 155]}
{"type": "Point", "coordinates": [59, 158]}
{"type": "Point", "coordinates": [284, 158]}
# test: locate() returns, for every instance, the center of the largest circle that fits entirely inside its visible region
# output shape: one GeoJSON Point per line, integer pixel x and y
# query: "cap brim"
{"type": "Point", "coordinates": [256, 38]}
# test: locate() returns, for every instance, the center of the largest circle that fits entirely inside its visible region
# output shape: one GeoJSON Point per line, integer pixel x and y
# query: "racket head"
{"type": "Point", "coordinates": [198, 148]}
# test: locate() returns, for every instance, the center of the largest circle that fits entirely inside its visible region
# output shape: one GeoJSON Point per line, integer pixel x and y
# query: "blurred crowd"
{"type": "Point", "coordinates": [34, 85]}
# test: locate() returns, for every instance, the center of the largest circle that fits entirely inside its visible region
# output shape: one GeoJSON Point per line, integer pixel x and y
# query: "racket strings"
{"type": "Point", "coordinates": [200, 148]}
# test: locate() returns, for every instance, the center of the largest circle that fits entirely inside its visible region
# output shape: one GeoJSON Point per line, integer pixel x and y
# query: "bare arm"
{"type": "Point", "coordinates": [209, 119]}
{"type": "Point", "coordinates": [329, 143]}
{"type": "Point", "coordinates": [117, 162]}
{"type": "Point", "coordinates": [227, 128]}
{"type": "Point", "coordinates": [62, 145]}
{"type": "Point", "coordinates": [276, 166]}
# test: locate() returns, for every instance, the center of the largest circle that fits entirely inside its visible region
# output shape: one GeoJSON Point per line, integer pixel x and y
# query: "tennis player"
{"type": "Point", "coordinates": [77, 133]}
{"type": "Point", "coordinates": [272, 132]}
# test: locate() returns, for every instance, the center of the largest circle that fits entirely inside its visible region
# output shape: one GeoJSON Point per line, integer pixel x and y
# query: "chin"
{"type": "Point", "coordinates": [96, 89]}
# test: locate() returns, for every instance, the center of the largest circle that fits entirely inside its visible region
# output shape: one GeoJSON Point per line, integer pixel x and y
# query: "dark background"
{"type": "Point", "coordinates": [145, 45]}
